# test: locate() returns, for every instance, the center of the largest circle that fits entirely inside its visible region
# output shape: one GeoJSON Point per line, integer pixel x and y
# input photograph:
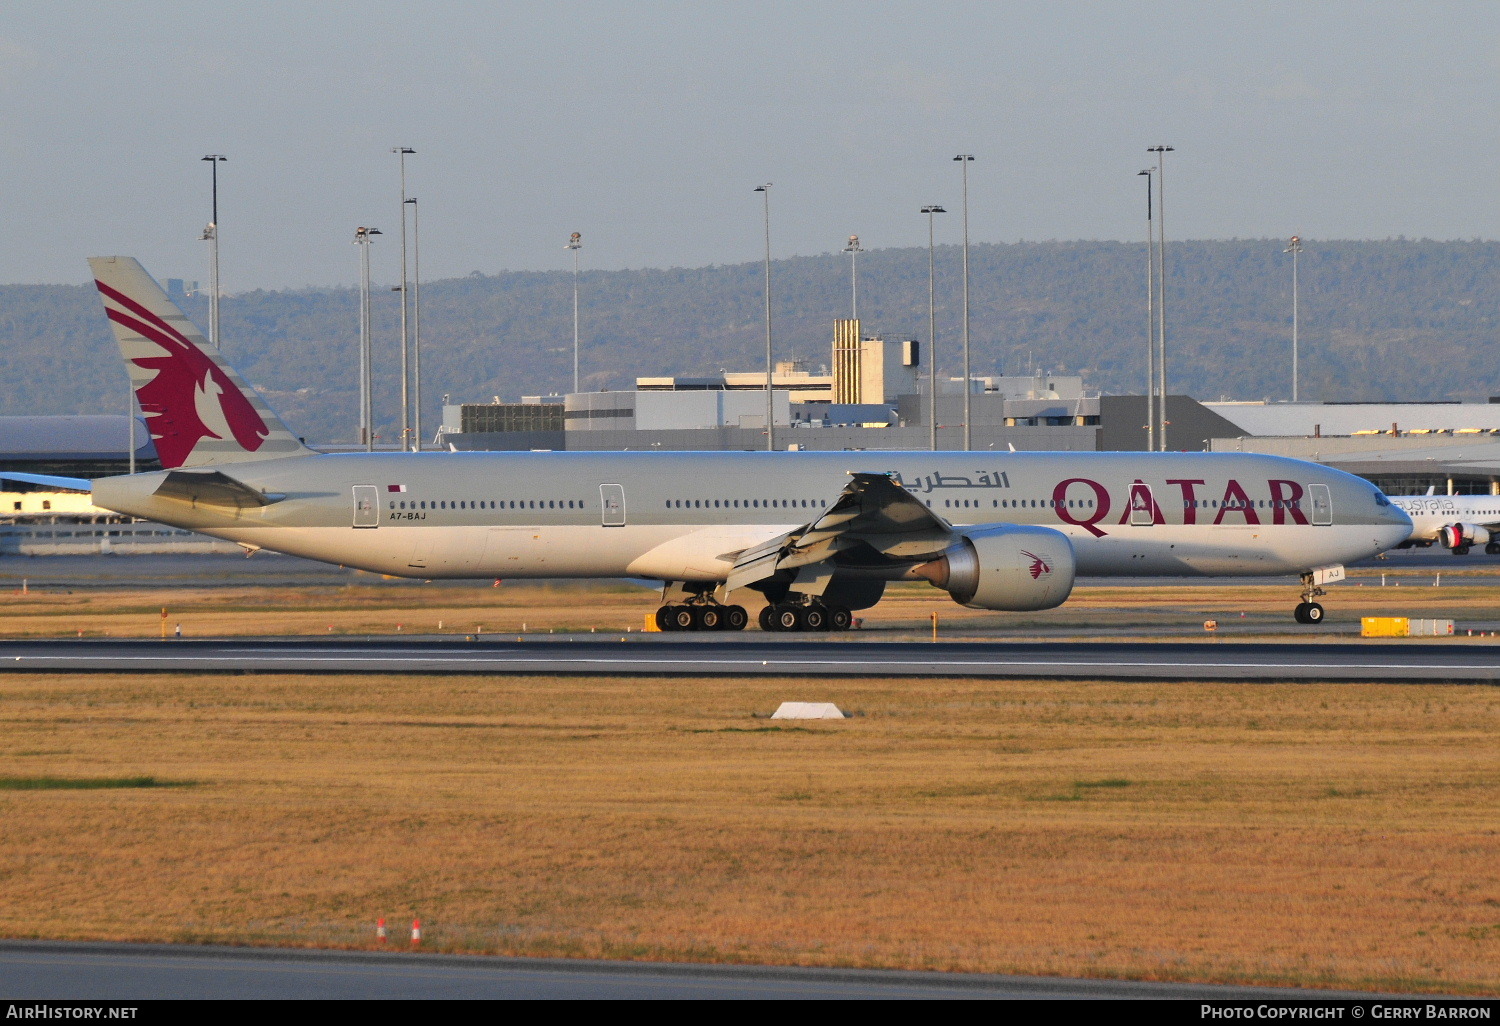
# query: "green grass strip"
{"type": "Point", "coordinates": [83, 783]}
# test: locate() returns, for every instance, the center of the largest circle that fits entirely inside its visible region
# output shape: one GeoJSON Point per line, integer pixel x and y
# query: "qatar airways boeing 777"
{"type": "Point", "coordinates": [816, 535]}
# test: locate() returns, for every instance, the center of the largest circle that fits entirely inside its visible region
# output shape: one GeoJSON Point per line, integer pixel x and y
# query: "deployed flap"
{"type": "Point", "coordinates": [888, 517]}
{"type": "Point", "coordinates": [213, 488]}
{"type": "Point", "coordinates": [872, 510]}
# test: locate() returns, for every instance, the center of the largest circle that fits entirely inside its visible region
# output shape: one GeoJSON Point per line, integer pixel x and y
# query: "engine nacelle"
{"type": "Point", "coordinates": [1010, 567]}
{"type": "Point", "coordinates": [1454, 535]}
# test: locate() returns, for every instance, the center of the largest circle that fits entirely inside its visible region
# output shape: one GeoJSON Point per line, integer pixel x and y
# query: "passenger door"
{"type": "Point", "coordinates": [1142, 509]}
{"type": "Point", "coordinates": [366, 506]}
{"type": "Point", "coordinates": [612, 505]}
{"type": "Point", "coordinates": [1322, 504]}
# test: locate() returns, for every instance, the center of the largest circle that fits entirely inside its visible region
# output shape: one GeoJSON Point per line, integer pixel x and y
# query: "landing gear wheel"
{"type": "Point", "coordinates": [1492, 549]}
{"type": "Point", "coordinates": [664, 618]}
{"type": "Point", "coordinates": [1308, 612]}
{"type": "Point", "coordinates": [815, 618]}
{"type": "Point", "coordinates": [787, 618]}
{"type": "Point", "coordinates": [708, 618]}
{"type": "Point", "coordinates": [765, 619]}
{"type": "Point", "coordinates": [839, 618]}
{"type": "Point", "coordinates": [735, 618]}
{"type": "Point", "coordinates": [681, 618]}
{"type": "Point", "coordinates": [1460, 550]}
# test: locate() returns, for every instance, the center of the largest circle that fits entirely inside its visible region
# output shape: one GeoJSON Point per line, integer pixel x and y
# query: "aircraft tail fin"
{"type": "Point", "coordinates": [199, 411]}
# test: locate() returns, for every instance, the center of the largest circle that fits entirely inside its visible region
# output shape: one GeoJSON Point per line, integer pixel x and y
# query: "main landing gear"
{"type": "Point", "coordinates": [1307, 610]}
{"type": "Point", "coordinates": [814, 616]}
{"type": "Point", "coordinates": [707, 616]}
{"type": "Point", "coordinates": [696, 606]}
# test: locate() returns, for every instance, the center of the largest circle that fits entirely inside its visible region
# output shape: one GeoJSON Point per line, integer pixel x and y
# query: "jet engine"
{"type": "Point", "coordinates": [1010, 567]}
{"type": "Point", "coordinates": [1455, 536]}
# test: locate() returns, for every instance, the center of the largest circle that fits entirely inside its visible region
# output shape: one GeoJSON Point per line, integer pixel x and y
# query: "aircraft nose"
{"type": "Point", "coordinates": [1395, 526]}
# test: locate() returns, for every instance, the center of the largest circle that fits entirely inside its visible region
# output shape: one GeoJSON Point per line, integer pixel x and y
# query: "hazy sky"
{"type": "Point", "coordinates": [646, 126]}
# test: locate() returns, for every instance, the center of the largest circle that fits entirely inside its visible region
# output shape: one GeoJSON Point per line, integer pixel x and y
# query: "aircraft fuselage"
{"type": "Point", "coordinates": [682, 516]}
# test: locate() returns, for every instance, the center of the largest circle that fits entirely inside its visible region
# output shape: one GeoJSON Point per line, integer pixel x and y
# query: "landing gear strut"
{"type": "Point", "coordinates": [810, 616]}
{"type": "Point", "coordinates": [1307, 610]}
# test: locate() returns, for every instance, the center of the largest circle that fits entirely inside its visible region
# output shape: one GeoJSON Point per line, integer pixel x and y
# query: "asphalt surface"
{"type": "Point", "coordinates": [49, 970]}
{"type": "Point", "coordinates": [1440, 660]}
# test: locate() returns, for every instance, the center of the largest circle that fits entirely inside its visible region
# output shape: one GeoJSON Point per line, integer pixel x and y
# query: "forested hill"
{"type": "Point", "coordinates": [1397, 319]}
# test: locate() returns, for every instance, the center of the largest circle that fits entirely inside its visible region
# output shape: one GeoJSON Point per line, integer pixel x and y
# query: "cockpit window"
{"type": "Point", "coordinates": [1381, 500]}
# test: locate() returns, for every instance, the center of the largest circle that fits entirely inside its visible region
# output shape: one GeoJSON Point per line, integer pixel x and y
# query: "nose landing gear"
{"type": "Point", "coordinates": [1307, 610]}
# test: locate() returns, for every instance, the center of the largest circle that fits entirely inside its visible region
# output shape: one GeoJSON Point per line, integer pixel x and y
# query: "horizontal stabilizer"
{"type": "Point", "coordinates": [213, 488]}
{"type": "Point", "coordinates": [72, 484]}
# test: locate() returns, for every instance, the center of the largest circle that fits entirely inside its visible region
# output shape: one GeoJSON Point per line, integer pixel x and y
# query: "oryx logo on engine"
{"type": "Point", "coordinates": [1039, 566]}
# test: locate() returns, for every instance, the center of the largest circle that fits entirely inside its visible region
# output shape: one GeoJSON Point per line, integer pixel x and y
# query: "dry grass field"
{"type": "Point", "coordinates": [1326, 835]}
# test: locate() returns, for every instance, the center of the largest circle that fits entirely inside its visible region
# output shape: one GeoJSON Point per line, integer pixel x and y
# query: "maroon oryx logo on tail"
{"type": "Point", "coordinates": [1039, 566]}
{"type": "Point", "coordinates": [190, 398]}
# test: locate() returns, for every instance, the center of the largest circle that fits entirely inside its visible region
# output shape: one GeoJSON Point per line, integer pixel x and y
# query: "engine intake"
{"type": "Point", "coordinates": [1010, 567]}
{"type": "Point", "coordinates": [1455, 535]}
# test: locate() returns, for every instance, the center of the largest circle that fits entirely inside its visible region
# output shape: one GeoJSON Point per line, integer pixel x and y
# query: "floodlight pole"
{"type": "Point", "coordinates": [932, 382]}
{"type": "Point", "coordinates": [1150, 318]}
{"type": "Point", "coordinates": [1295, 249]}
{"type": "Point", "coordinates": [575, 243]}
{"type": "Point", "coordinates": [401, 153]}
{"type": "Point", "coordinates": [362, 239]}
{"type": "Point", "coordinates": [765, 191]}
{"type": "Point", "coordinates": [965, 160]}
{"type": "Point", "coordinates": [211, 236]}
{"type": "Point", "coordinates": [1161, 285]}
{"type": "Point", "coordinates": [854, 250]}
{"type": "Point", "coordinates": [416, 328]}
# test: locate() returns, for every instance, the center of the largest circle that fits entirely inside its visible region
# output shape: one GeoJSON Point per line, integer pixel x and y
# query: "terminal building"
{"type": "Point", "coordinates": [1404, 448]}
{"type": "Point", "coordinates": [874, 397]}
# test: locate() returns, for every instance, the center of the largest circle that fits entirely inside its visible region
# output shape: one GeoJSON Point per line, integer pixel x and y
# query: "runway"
{"type": "Point", "coordinates": [1442, 660]}
{"type": "Point", "coordinates": [48, 970]}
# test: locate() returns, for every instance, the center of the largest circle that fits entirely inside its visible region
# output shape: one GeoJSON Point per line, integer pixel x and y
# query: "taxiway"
{"type": "Point", "coordinates": [1441, 660]}
{"type": "Point", "coordinates": [43, 970]}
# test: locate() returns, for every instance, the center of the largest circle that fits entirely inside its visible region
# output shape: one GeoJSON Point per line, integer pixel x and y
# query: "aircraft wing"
{"type": "Point", "coordinates": [873, 512]}
{"type": "Point", "coordinates": [213, 488]}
